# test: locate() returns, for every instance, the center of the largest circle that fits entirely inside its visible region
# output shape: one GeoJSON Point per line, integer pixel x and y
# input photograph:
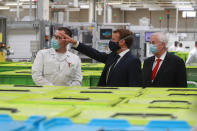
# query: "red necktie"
{"type": "Point", "coordinates": [155, 69]}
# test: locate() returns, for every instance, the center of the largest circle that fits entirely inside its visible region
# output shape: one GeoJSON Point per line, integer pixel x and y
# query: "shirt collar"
{"type": "Point", "coordinates": [65, 55]}
{"type": "Point", "coordinates": [123, 53]}
{"type": "Point", "coordinates": [162, 56]}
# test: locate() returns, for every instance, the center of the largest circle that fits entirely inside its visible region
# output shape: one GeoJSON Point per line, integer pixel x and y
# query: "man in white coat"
{"type": "Point", "coordinates": [57, 66]}
{"type": "Point", "coordinates": [180, 48]}
{"type": "Point", "coordinates": [174, 47]}
{"type": "Point", "coordinates": [192, 58]}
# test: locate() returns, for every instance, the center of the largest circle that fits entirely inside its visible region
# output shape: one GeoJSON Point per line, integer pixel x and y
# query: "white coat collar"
{"type": "Point", "coordinates": [66, 56]}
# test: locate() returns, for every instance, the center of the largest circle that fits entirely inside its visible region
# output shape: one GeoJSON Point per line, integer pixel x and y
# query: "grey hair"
{"type": "Point", "coordinates": [161, 37]}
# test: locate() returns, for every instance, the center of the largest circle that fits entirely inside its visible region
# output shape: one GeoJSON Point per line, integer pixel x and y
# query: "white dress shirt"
{"type": "Point", "coordinates": [161, 62]}
{"type": "Point", "coordinates": [121, 55]}
{"type": "Point", "coordinates": [52, 68]}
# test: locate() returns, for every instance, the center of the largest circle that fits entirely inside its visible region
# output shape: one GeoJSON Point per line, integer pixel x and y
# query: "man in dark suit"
{"type": "Point", "coordinates": [122, 69]}
{"type": "Point", "coordinates": [163, 69]}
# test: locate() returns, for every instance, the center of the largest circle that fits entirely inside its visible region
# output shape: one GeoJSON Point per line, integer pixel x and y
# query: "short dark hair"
{"type": "Point", "coordinates": [124, 33]}
{"type": "Point", "coordinates": [195, 42]}
{"type": "Point", "coordinates": [66, 30]}
{"type": "Point", "coordinates": [180, 45]}
{"type": "Point", "coordinates": [176, 43]}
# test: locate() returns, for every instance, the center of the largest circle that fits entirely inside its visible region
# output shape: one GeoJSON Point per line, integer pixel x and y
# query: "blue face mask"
{"type": "Point", "coordinates": [55, 44]}
{"type": "Point", "coordinates": [113, 46]}
{"type": "Point", "coordinates": [153, 48]}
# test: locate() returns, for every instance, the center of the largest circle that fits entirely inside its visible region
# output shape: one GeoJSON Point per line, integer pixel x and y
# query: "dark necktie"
{"type": "Point", "coordinates": [111, 68]}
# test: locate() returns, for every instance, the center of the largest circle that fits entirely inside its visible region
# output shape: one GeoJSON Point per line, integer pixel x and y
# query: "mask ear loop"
{"type": "Point", "coordinates": [126, 37]}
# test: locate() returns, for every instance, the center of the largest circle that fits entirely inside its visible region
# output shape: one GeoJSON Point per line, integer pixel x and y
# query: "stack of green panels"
{"type": "Point", "coordinates": [94, 77]}
{"type": "Point", "coordinates": [23, 111]}
{"type": "Point", "coordinates": [10, 66]}
{"type": "Point", "coordinates": [9, 94]}
{"type": "Point", "coordinates": [192, 73]}
{"type": "Point", "coordinates": [136, 116]}
{"type": "Point", "coordinates": [81, 96]}
{"type": "Point", "coordinates": [17, 77]}
{"type": "Point", "coordinates": [92, 66]}
{"type": "Point", "coordinates": [182, 55]}
{"type": "Point", "coordinates": [24, 77]}
{"type": "Point", "coordinates": [81, 104]}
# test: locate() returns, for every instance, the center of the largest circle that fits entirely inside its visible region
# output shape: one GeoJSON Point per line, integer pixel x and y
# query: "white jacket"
{"type": "Point", "coordinates": [180, 49]}
{"type": "Point", "coordinates": [49, 68]}
{"type": "Point", "coordinates": [172, 48]}
{"type": "Point", "coordinates": [192, 58]}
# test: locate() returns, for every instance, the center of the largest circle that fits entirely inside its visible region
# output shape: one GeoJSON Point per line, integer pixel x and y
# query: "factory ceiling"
{"type": "Point", "coordinates": [122, 4]}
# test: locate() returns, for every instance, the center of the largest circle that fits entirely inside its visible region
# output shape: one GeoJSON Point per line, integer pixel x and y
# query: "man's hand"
{"type": "Point", "coordinates": [68, 39]}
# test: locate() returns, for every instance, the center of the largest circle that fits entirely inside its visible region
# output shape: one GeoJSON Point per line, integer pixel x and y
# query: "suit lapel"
{"type": "Point", "coordinates": [102, 81]}
{"type": "Point", "coordinates": [150, 66]}
{"type": "Point", "coordinates": [162, 68]}
{"type": "Point", "coordinates": [123, 58]}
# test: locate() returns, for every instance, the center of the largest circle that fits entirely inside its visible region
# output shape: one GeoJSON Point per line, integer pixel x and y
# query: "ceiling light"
{"type": "Point", "coordinates": [156, 9]}
{"type": "Point", "coordinates": [12, 4]}
{"type": "Point", "coordinates": [59, 6]}
{"type": "Point", "coordinates": [73, 9]}
{"type": "Point", "coordinates": [128, 9]}
{"type": "Point", "coordinates": [114, 3]}
{"type": "Point", "coordinates": [186, 9]}
{"type": "Point", "coordinates": [15, 10]}
{"type": "Point", "coordinates": [183, 6]}
{"type": "Point", "coordinates": [181, 2]}
{"type": "Point", "coordinates": [84, 6]}
{"type": "Point", "coordinates": [28, 6]}
{"type": "Point", "coordinates": [25, 0]}
{"type": "Point", "coordinates": [4, 7]}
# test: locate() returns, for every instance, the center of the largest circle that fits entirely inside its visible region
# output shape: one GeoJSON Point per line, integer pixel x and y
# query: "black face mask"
{"type": "Point", "coordinates": [114, 46]}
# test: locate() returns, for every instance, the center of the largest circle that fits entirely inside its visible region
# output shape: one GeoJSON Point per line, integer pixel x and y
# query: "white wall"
{"type": "Point", "coordinates": [19, 41]}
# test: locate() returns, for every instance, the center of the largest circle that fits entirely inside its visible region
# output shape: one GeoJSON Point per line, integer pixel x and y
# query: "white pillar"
{"type": "Point", "coordinates": [109, 14]}
{"type": "Point", "coordinates": [91, 11]}
{"type": "Point", "coordinates": [43, 9]}
{"type": "Point", "coordinates": [76, 3]}
{"type": "Point", "coordinates": [67, 15]}
{"type": "Point", "coordinates": [60, 17]}
{"type": "Point", "coordinates": [30, 10]}
{"type": "Point", "coordinates": [177, 19]}
{"type": "Point", "coordinates": [104, 12]}
{"type": "Point", "coordinates": [18, 11]}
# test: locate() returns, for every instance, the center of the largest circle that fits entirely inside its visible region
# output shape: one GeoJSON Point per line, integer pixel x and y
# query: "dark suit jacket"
{"type": "Point", "coordinates": [127, 71]}
{"type": "Point", "coordinates": [172, 72]}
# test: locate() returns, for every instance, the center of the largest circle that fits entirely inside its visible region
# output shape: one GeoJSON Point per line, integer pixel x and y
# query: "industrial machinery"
{"type": "Point", "coordinates": [3, 47]}
{"type": "Point", "coordinates": [104, 36]}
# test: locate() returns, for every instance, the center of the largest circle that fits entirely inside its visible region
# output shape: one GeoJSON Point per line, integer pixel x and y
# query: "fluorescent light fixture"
{"type": "Point", "coordinates": [183, 6]}
{"type": "Point", "coordinates": [114, 3]}
{"type": "Point", "coordinates": [28, 6]}
{"type": "Point", "coordinates": [186, 9]}
{"type": "Point", "coordinates": [59, 6]}
{"type": "Point", "coordinates": [25, 0]}
{"type": "Point", "coordinates": [188, 14]}
{"type": "Point", "coordinates": [14, 9]}
{"type": "Point", "coordinates": [181, 2]}
{"type": "Point", "coordinates": [12, 4]}
{"type": "Point", "coordinates": [84, 6]}
{"type": "Point", "coordinates": [128, 9]}
{"type": "Point", "coordinates": [74, 9]}
{"type": "Point", "coordinates": [4, 7]}
{"type": "Point", "coordinates": [155, 9]}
